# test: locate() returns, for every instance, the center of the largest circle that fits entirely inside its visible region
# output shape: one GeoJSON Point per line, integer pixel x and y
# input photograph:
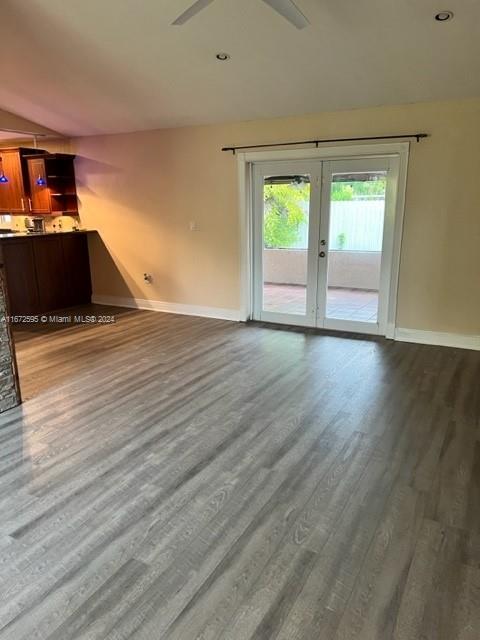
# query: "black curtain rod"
{"type": "Point", "coordinates": [417, 136]}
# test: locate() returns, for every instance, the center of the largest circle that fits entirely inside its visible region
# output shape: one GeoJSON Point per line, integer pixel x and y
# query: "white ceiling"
{"type": "Point", "coordinates": [103, 66]}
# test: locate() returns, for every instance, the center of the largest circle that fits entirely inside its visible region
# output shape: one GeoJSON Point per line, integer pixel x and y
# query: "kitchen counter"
{"type": "Point", "coordinates": [27, 234]}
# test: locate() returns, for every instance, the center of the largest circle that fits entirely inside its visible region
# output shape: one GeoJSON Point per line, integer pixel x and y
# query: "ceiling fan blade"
{"type": "Point", "coordinates": [289, 10]}
{"type": "Point", "coordinates": [191, 11]}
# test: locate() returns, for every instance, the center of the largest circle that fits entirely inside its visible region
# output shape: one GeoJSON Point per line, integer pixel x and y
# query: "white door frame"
{"type": "Point", "coordinates": [399, 150]}
{"type": "Point", "coordinates": [390, 165]}
{"type": "Point", "coordinates": [287, 167]}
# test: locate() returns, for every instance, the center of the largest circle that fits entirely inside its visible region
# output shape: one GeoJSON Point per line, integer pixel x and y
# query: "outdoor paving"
{"type": "Point", "coordinates": [342, 304]}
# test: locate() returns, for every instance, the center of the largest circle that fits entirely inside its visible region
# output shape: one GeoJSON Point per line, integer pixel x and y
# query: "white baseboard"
{"type": "Point", "coordinates": [169, 307]}
{"type": "Point", "coordinates": [438, 338]}
{"type": "Point", "coordinates": [402, 335]}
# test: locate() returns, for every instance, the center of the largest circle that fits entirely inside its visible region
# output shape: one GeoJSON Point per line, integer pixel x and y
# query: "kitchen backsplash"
{"type": "Point", "coordinates": [52, 223]}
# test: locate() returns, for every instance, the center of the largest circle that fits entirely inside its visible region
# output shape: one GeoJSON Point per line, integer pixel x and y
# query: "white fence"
{"type": "Point", "coordinates": [359, 223]}
{"type": "Point", "coordinates": [355, 225]}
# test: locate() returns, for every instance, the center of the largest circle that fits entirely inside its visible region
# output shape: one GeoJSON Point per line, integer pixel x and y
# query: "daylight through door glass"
{"type": "Point", "coordinates": [357, 213]}
{"type": "Point", "coordinates": [286, 205]}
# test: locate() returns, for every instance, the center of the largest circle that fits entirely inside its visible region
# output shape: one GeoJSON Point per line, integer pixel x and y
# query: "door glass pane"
{"type": "Point", "coordinates": [286, 204]}
{"type": "Point", "coordinates": [357, 212]}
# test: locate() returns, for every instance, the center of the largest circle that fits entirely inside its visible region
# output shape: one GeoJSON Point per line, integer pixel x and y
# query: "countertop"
{"type": "Point", "coordinates": [26, 234]}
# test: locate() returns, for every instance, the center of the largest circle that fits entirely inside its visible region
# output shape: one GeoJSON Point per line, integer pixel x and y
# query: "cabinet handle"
{"type": "Point", "coordinates": [29, 204]}
{"type": "Point", "coordinates": [23, 204]}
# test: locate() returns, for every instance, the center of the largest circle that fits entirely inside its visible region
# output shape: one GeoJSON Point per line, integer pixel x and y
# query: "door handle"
{"type": "Point", "coordinates": [321, 254]}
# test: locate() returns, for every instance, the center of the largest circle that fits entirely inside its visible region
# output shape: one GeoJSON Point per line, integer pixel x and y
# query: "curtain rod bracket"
{"type": "Point", "coordinates": [416, 136]}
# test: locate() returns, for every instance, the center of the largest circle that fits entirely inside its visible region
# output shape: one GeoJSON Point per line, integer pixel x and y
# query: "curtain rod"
{"type": "Point", "coordinates": [417, 136]}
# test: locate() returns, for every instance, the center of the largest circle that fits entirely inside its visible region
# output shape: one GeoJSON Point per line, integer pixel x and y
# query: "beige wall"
{"type": "Point", "coordinates": [285, 266]}
{"type": "Point", "coordinates": [348, 269]}
{"type": "Point", "coordinates": [354, 269]}
{"type": "Point", "coordinates": [141, 191]}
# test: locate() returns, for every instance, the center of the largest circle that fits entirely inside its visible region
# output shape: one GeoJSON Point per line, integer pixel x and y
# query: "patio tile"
{"type": "Point", "coordinates": [342, 304]}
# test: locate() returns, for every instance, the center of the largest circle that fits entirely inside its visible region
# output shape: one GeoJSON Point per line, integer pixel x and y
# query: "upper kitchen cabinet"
{"type": "Point", "coordinates": [14, 183]}
{"type": "Point", "coordinates": [52, 186]}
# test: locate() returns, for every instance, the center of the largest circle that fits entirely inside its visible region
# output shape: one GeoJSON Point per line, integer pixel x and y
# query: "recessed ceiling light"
{"type": "Point", "coordinates": [223, 56]}
{"type": "Point", "coordinates": [444, 16]}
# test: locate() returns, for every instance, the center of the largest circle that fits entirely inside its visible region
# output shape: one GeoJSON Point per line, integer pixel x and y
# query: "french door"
{"type": "Point", "coordinates": [323, 238]}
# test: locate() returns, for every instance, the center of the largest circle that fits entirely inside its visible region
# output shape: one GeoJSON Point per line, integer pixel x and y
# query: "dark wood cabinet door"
{"type": "Point", "coordinates": [46, 273]}
{"type": "Point", "coordinates": [50, 267]}
{"type": "Point", "coordinates": [12, 193]}
{"type": "Point", "coordinates": [20, 275]}
{"type": "Point", "coordinates": [77, 269]}
{"type": "Point", "coordinates": [39, 193]}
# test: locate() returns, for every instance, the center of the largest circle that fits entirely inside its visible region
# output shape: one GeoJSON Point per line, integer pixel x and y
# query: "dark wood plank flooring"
{"type": "Point", "coordinates": [182, 478]}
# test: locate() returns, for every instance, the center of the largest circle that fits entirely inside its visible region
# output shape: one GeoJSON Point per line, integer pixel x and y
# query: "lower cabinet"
{"type": "Point", "coordinates": [76, 260]}
{"type": "Point", "coordinates": [51, 272]}
{"type": "Point", "coordinates": [45, 273]}
{"type": "Point", "coordinates": [20, 276]}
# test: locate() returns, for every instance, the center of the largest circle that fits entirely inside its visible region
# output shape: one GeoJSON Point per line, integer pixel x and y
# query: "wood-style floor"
{"type": "Point", "coordinates": [183, 478]}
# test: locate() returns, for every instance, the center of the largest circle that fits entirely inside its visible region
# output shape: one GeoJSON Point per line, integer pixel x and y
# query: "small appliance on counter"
{"type": "Point", "coordinates": [35, 225]}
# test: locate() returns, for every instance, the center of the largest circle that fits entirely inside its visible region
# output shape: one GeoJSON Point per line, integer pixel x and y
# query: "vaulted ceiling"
{"type": "Point", "coordinates": [102, 66]}
{"type": "Point", "coordinates": [15, 127]}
